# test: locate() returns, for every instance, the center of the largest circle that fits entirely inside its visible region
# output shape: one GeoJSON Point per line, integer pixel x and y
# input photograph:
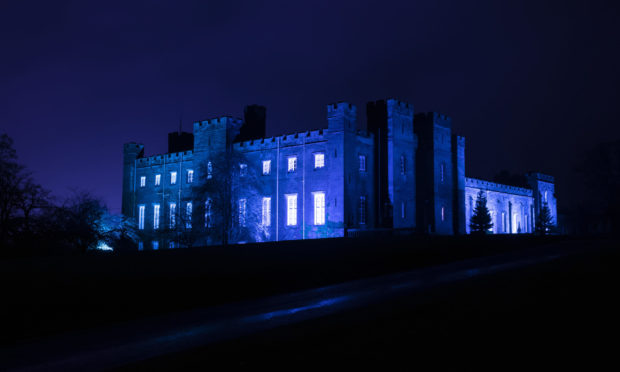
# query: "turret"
{"type": "Point", "coordinates": [341, 116]}
{"type": "Point", "coordinates": [435, 184]}
{"type": "Point", "coordinates": [391, 122]}
{"type": "Point", "coordinates": [131, 152]}
{"type": "Point", "coordinates": [543, 187]}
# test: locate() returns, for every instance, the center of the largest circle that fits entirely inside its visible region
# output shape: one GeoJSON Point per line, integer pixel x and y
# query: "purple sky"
{"type": "Point", "coordinates": [530, 84]}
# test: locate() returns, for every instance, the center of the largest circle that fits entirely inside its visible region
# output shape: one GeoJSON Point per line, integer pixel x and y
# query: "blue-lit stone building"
{"type": "Point", "coordinates": [404, 171]}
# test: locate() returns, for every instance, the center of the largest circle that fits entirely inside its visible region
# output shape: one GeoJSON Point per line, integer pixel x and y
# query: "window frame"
{"type": "Point", "coordinates": [288, 163]}
{"type": "Point", "coordinates": [267, 163]}
{"type": "Point", "coordinates": [291, 219]}
{"type": "Point", "coordinates": [318, 207]}
{"type": "Point", "coordinates": [316, 156]}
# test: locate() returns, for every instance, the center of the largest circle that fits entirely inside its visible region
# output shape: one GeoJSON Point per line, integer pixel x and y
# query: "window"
{"type": "Point", "coordinates": [156, 216]}
{"type": "Point", "coordinates": [362, 159]}
{"type": "Point", "coordinates": [441, 172]}
{"type": "Point", "coordinates": [402, 210]}
{"type": "Point", "coordinates": [243, 169]}
{"type": "Point", "coordinates": [171, 245]}
{"type": "Point", "coordinates": [188, 215]}
{"type": "Point", "coordinates": [190, 176]}
{"type": "Point", "coordinates": [545, 197]}
{"type": "Point", "coordinates": [319, 160]}
{"type": "Point", "coordinates": [242, 203]}
{"type": "Point", "coordinates": [266, 215]}
{"type": "Point", "coordinates": [443, 214]}
{"type": "Point", "coordinates": [503, 221]}
{"type": "Point", "coordinates": [142, 181]}
{"type": "Point", "coordinates": [319, 208]}
{"type": "Point", "coordinates": [155, 245]}
{"type": "Point", "coordinates": [173, 178]}
{"type": "Point", "coordinates": [173, 214]}
{"type": "Point", "coordinates": [362, 210]}
{"type": "Point", "coordinates": [266, 167]}
{"type": "Point", "coordinates": [292, 163]}
{"type": "Point", "coordinates": [141, 217]}
{"type": "Point", "coordinates": [157, 179]}
{"type": "Point", "coordinates": [140, 245]}
{"type": "Point", "coordinates": [208, 206]}
{"type": "Point", "coordinates": [403, 164]}
{"type": "Point", "coordinates": [209, 170]}
{"type": "Point", "coordinates": [291, 209]}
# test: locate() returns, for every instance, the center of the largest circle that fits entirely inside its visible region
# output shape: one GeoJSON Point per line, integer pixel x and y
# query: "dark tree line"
{"type": "Point", "coordinates": [31, 221]}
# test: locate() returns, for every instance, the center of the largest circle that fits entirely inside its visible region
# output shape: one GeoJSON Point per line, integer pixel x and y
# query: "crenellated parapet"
{"type": "Point", "coordinates": [284, 140]}
{"type": "Point", "coordinates": [161, 159]}
{"type": "Point", "coordinates": [540, 177]}
{"type": "Point", "coordinates": [221, 121]}
{"type": "Point", "coordinates": [492, 186]}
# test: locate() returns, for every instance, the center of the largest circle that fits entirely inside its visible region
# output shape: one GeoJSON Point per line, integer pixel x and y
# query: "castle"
{"type": "Point", "coordinates": [226, 182]}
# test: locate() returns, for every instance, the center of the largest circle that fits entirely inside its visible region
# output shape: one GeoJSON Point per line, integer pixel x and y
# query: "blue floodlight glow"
{"type": "Point", "coordinates": [102, 246]}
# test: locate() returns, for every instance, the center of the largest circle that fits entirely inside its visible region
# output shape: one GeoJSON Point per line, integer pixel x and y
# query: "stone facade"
{"type": "Point", "coordinates": [403, 171]}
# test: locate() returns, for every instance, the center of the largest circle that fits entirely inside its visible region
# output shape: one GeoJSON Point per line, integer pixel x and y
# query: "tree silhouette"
{"type": "Point", "coordinates": [481, 220]}
{"type": "Point", "coordinates": [544, 223]}
{"type": "Point", "coordinates": [221, 185]}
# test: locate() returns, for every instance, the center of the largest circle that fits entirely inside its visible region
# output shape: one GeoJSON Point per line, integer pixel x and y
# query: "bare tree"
{"type": "Point", "coordinates": [228, 199]}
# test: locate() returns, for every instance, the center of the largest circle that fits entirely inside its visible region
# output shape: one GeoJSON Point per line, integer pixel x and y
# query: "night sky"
{"type": "Point", "coordinates": [531, 84]}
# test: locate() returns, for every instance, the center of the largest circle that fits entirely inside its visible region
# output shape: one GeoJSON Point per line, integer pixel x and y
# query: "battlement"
{"type": "Point", "coordinates": [174, 157]}
{"type": "Point", "coordinates": [342, 106]}
{"type": "Point", "coordinates": [285, 140]}
{"type": "Point", "coordinates": [219, 121]}
{"type": "Point", "coordinates": [460, 140]}
{"type": "Point", "coordinates": [400, 107]}
{"type": "Point", "coordinates": [540, 177]}
{"type": "Point", "coordinates": [436, 118]}
{"type": "Point", "coordinates": [492, 186]}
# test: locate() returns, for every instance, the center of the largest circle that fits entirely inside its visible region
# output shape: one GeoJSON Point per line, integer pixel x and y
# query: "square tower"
{"type": "Point", "coordinates": [435, 178]}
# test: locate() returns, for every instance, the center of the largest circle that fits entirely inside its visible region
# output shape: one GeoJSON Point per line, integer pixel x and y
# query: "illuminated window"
{"type": "Point", "coordinates": [140, 245]}
{"type": "Point", "coordinates": [242, 203]}
{"type": "Point", "coordinates": [545, 196]}
{"type": "Point", "coordinates": [156, 216]}
{"type": "Point", "coordinates": [155, 245]}
{"type": "Point", "coordinates": [171, 245]}
{"type": "Point", "coordinates": [403, 164]}
{"type": "Point", "coordinates": [157, 179]}
{"type": "Point", "coordinates": [266, 167]}
{"type": "Point", "coordinates": [142, 181]}
{"type": "Point", "coordinates": [362, 210]}
{"type": "Point", "coordinates": [266, 215]}
{"type": "Point", "coordinates": [243, 169]}
{"type": "Point", "coordinates": [291, 209]}
{"type": "Point", "coordinates": [173, 213]}
{"type": "Point", "coordinates": [319, 208]}
{"type": "Point", "coordinates": [141, 210]}
{"type": "Point", "coordinates": [292, 163]}
{"type": "Point", "coordinates": [441, 172]}
{"type": "Point", "coordinates": [319, 160]}
{"type": "Point", "coordinates": [209, 170]}
{"type": "Point", "coordinates": [190, 176]}
{"type": "Point", "coordinates": [173, 178]}
{"type": "Point", "coordinates": [208, 207]}
{"type": "Point", "coordinates": [188, 215]}
{"type": "Point", "coordinates": [362, 160]}
{"type": "Point", "coordinates": [443, 214]}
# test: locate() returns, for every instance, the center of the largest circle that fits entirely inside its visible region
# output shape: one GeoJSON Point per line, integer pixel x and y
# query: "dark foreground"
{"type": "Point", "coordinates": [561, 313]}
{"type": "Point", "coordinates": [553, 299]}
